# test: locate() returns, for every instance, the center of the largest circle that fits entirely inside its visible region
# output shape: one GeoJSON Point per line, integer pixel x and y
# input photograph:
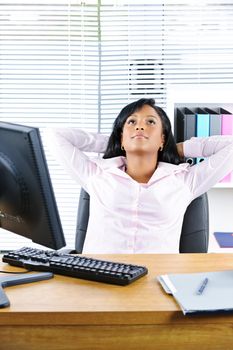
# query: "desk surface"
{"type": "Point", "coordinates": [145, 296]}
{"type": "Point", "coordinates": [66, 301]}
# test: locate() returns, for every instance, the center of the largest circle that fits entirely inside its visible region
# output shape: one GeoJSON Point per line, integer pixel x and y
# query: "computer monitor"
{"type": "Point", "coordinates": [27, 201]}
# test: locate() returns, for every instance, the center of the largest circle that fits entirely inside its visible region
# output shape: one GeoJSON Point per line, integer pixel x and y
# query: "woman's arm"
{"type": "Point", "coordinates": [80, 139]}
{"type": "Point", "coordinates": [206, 146]}
{"type": "Point", "coordinates": [68, 146]}
{"type": "Point", "coordinates": [218, 151]}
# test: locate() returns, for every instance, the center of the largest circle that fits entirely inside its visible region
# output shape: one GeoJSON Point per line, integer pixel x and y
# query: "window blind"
{"type": "Point", "coordinates": [147, 45]}
{"type": "Point", "coordinates": [49, 64]}
{"type": "Point", "coordinates": [77, 63]}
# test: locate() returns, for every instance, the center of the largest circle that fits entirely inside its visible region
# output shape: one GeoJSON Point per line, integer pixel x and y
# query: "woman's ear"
{"type": "Point", "coordinates": [163, 142]}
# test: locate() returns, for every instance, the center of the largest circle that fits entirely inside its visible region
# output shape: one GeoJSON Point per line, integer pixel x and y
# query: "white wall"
{"type": "Point", "coordinates": [220, 215]}
{"type": "Point", "coordinates": [221, 209]}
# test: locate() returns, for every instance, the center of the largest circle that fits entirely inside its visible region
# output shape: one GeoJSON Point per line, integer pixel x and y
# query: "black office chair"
{"type": "Point", "coordinates": [195, 229]}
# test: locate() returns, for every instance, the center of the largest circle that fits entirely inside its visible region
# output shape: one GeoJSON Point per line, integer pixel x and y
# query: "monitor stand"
{"type": "Point", "coordinates": [7, 281]}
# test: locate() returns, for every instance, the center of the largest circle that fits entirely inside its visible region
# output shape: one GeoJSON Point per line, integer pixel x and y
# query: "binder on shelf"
{"type": "Point", "coordinates": [200, 292]}
{"type": "Point", "coordinates": [185, 124]}
{"type": "Point", "coordinates": [203, 126]}
{"type": "Point", "coordinates": [185, 127]}
{"type": "Point", "coordinates": [226, 121]}
{"type": "Point", "coordinates": [226, 129]}
{"type": "Point", "coordinates": [215, 123]}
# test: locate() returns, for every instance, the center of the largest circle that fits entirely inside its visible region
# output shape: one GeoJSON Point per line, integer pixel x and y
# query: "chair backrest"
{"type": "Point", "coordinates": [195, 230]}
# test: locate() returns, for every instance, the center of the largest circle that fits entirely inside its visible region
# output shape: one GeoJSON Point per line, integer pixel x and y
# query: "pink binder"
{"type": "Point", "coordinates": [226, 129]}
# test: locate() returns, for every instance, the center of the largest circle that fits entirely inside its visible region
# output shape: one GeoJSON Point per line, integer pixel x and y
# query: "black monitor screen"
{"type": "Point", "coordinates": [27, 202]}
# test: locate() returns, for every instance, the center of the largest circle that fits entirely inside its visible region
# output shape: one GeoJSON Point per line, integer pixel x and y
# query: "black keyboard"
{"type": "Point", "coordinates": [75, 266]}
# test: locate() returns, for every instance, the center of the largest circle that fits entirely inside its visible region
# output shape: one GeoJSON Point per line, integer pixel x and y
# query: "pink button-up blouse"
{"type": "Point", "coordinates": [131, 217]}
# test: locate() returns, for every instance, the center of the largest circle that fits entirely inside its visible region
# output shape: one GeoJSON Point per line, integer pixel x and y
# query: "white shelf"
{"type": "Point", "coordinates": [223, 185]}
{"type": "Point", "coordinates": [220, 196]}
{"type": "Point", "coordinates": [220, 94]}
{"type": "Point", "coordinates": [203, 93]}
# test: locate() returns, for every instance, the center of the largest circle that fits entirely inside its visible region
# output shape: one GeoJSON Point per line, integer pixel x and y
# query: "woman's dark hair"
{"type": "Point", "coordinates": [169, 153]}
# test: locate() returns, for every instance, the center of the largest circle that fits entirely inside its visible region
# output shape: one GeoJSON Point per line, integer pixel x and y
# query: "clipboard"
{"type": "Point", "coordinates": [194, 295]}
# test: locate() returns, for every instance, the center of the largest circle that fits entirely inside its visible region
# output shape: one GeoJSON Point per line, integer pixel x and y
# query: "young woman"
{"type": "Point", "coordinates": [140, 189]}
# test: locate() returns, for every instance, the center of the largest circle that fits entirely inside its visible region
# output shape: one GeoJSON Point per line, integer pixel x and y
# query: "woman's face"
{"type": "Point", "coordinates": [143, 132]}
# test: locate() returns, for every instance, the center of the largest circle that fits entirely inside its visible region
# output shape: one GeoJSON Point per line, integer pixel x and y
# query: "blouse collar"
{"type": "Point", "coordinates": [117, 166]}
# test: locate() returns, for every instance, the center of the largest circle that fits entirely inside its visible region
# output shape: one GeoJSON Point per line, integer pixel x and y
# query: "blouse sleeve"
{"type": "Point", "coordinates": [218, 151]}
{"type": "Point", "coordinates": [68, 146]}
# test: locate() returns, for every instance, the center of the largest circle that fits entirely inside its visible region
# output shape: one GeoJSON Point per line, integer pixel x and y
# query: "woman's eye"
{"type": "Point", "coordinates": [151, 121]}
{"type": "Point", "coordinates": [131, 121]}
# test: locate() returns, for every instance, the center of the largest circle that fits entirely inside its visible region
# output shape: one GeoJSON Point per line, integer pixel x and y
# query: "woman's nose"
{"type": "Point", "coordinates": [139, 128]}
